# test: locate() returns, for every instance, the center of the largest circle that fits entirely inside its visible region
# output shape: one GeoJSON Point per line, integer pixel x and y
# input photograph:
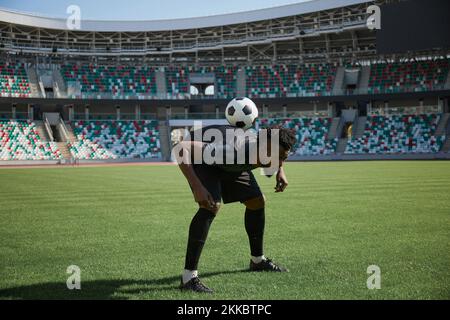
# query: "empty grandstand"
{"type": "Point", "coordinates": [290, 80]}
{"type": "Point", "coordinates": [116, 139]}
{"type": "Point", "coordinates": [119, 90]}
{"type": "Point", "coordinates": [398, 134]}
{"type": "Point", "coordinates": [20, 140]}
{"type": "Point", "coordinates": [311, 133]}
{"type": "Point", "coordinates": [13, 80]}
{"type": "Point", "coordinates": [118, 81]}
{"type": "Point", "coordinates": [422, 75]}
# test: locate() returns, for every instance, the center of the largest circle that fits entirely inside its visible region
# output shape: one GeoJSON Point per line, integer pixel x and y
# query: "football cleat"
{"type": "Point", "coordinates": [267, 265]}
{"type": "Point", "coordinates": [195, 285]}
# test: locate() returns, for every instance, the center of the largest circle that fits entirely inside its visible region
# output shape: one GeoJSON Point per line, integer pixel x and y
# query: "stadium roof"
{"type": "Point", "coordinates": [29, 19]}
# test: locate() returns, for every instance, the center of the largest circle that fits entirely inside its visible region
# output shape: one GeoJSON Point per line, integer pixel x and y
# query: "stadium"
{"type": "Point", "coordinates": [89, 115]}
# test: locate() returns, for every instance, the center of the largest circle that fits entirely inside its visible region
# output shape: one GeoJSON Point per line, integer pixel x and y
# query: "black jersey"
{"type": "Point", "coordinates": [232, 151]}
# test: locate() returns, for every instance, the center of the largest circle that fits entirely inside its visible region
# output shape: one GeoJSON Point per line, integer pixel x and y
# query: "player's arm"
{"type": "Point", "coordinates": [201, 195]}
{"type": "Point", "coordinates": [281, 180]}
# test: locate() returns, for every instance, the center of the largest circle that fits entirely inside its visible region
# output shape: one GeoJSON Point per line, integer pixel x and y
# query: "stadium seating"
{"type": "Point", "coordinates": [225, 79]}
{"type": "Point", "coordinates": [408, 76]}
{"type": "Point", "coordinates": [273, 81]}
{"type": "Point", "coordinates": [290, 80]}
{"type": "Point", "coordinates": [311, 133]}
{"type": "Point", "coordinates": [262, 81]}
{"type": "Point", "coordinates": [85, 149]}
{"type": "Point", "coordinates": [14, 80]}
{"type": "Point", "coordinates": [20, 140]}
{"type": "Point", "coordinates": [177, 82]}
{"type": "Point", "coordinates": [398, 134]}
{"type": "Point", "coordinates": [120, 81]}
{"type": "Point", "coordinates": [116, 139]}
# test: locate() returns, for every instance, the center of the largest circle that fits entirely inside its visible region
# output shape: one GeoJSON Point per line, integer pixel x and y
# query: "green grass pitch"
{"type": "Point", "coordinates": [126, 228]}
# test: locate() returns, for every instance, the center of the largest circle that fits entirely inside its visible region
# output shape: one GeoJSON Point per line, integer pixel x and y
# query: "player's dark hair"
{"type": "Point", "coordinates": [287, 136]}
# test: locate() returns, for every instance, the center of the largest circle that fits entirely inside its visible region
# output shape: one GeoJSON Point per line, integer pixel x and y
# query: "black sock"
{"type": "Point", "coordinates": [254, 225]}
{"type": "Point", "coordinates": [198, 231]}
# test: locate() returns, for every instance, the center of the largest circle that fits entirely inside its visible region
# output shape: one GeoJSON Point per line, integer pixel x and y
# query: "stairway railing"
{"type": "Point", "coordinates": [64, 130]}
{"type": "Point", "coordinates": [49, 129]}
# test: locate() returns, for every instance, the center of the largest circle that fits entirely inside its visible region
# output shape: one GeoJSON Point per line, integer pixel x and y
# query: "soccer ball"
{"type": "Point", "coordinates": [241, 112]}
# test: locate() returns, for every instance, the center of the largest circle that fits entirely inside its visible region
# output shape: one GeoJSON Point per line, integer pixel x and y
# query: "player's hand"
{"type": "Point", "coordinates": [282, 182]}
{"type": "Point", "coordinates": [204, 198]}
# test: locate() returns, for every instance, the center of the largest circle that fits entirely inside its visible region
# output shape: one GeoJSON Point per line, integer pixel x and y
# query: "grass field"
{"type": "Point", "coordinates": [126, 228]}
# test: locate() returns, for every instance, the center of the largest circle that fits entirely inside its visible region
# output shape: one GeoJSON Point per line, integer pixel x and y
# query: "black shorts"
{"type": "Point", "coordinates": [229, 186]}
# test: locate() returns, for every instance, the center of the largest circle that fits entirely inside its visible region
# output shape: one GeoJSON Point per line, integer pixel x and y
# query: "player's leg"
{"type": "Point", "coordinates": [254, 221]}
{"type": "Point", "coordinates": [245, 188]}
{"type": "Point", "coordinates": [198, 231]}
{"type": "Point", "coordinates": [254, 225]}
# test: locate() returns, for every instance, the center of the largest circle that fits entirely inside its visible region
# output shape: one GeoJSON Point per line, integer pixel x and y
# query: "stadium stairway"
{"type": "Point", "coordinates": [442, 125]}
{"type": "Point", "coordinates": [446, 146]}
{"type": "Point", "coordinates": [161, 86]}
{"type": "Point", "coordinates": [164, 139]}
{"type": "Point", "coordinates": [443, 129]}
{"type": "Point", "coordinates": [363, 83]}
{"type": "Point", "coordinates": [341, 145]}
{"type": "Point", "coordinates": [33, 81]}
{"type": "Point", "coordinates": [61, 142]}
{"type": "Point", "coordinates": [42, 131]}
{"type": "Point", "coordinates": [57, 134]}
{"type": "Point", "coordinates": [447, 82]}
{"type": "Point", "coordinates": [339, 81]}
{"type": "Point", "coordinates": [358, 127]}
{"type": "Point", "coordinates": [332, 133]}
{"type": "Point", "coordinates": [72, 137]}
{"type": "Point", "coordinates": [241, 78]}
{"type": "Point", "coordinates": [342, 142]}
{"type": "Point", "coordinates": [62, 88]}
{"type": "Point", "coordinates": [65, 152]}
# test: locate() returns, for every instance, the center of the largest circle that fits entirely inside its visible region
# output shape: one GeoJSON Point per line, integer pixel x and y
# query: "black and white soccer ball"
{"type": "Point", "coordinates": [241, 113]}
